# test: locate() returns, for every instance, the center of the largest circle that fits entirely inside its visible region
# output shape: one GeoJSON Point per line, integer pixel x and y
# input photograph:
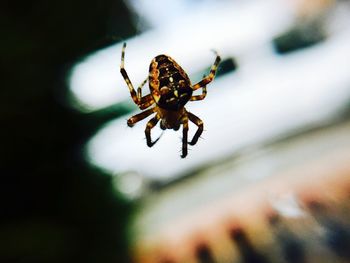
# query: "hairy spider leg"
{"type": "Point", "coordinates": [142, 102]}
{"type": "Point", "coordinates": [152, 122]}
{"type": "Point", "coordinates": [184, 136]}
{"type": "Point", "coordinates": [211, 75]}
{"type": "Point", "coordinates": [199, 124]}
{"type": "Point", "coordinates": [139, 117]}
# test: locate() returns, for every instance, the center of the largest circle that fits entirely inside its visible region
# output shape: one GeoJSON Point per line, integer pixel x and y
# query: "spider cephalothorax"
{"type": "Point", "coordinates": [170, 89]}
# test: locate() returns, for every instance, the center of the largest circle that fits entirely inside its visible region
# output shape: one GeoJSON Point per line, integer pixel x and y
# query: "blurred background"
{"type": "Point", "coordinates": [269, 181]}
{"type": "Point", "coordinates": [55, 207]}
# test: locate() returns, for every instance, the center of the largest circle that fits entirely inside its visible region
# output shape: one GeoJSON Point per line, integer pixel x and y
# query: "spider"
{"type": "Point", "coordinates": [170, 89]}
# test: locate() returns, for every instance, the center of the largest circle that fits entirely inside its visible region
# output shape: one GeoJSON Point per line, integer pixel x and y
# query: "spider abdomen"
{"type": "Point", "coordinates": [169, 84]}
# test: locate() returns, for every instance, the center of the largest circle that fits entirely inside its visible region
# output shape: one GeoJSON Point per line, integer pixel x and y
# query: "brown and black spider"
{"type": "Point", "coordinates": [170, 89]}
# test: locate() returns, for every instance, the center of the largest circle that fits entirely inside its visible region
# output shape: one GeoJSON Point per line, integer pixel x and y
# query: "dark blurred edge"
{"type": "Point", "coordinates": [53, 207]}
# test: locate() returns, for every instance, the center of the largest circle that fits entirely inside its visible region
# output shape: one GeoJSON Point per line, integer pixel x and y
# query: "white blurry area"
{"type": "Point", "coordinates": [189, 37]}
{"type": "Point", "coordinates": [268, 96]}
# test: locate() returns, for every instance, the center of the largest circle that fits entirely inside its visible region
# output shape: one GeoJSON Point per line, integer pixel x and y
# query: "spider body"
{"type": "Point", "coordinates": [169, 84]}
{"type": "Point", "coordinates": [170, 89]}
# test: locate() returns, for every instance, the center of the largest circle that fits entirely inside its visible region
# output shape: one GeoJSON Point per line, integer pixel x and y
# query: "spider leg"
{"type": "Point", "coordinates": [142, 102]}
{"type": "Point", "coordinates": [199, 123]}
{"type": "Point", "coordinates": [139, 117]}
{"type": "Point", "coordinates": [200, 97]}
{"type": "Point", "coordinates": [152, 122]}
{"type": "Point", "coordinates": [139, 89]}
{"type": "Point", "coordinates": [126, 77]}
{"type": "Point", "coordinates": [211, 75]}
{"type": "Point", "coordinates": [146, 101]}
{"type": "Point", "coordinates": [184, 137]}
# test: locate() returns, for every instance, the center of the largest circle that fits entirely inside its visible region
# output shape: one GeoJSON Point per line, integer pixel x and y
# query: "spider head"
{"type": "Point", "coordinates": [166, 125]}
{"type": "Point", "coordinates": [171, 119]}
